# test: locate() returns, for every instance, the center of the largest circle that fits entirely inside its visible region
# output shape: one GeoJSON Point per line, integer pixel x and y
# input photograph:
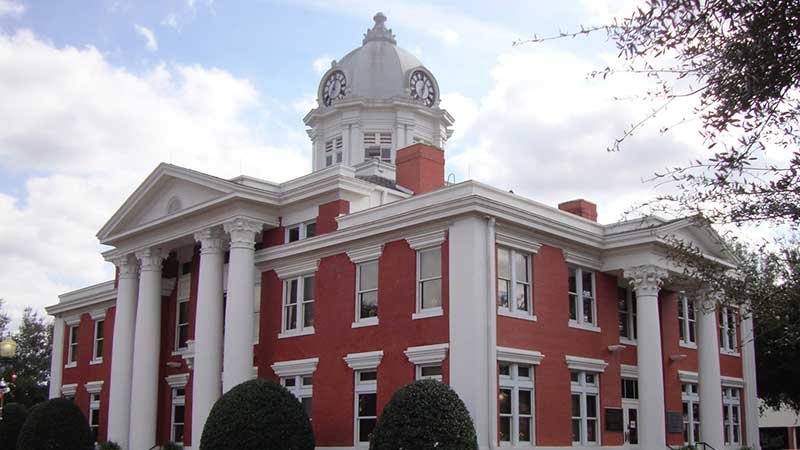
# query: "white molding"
{"type": "Point", "coordinates": [628, 371]}
{"type": "Point", "coordinates": [504, 312]}
{"type": "Point", "coordinates": [732, 382]}
{"type": "Point", "coordinates": [690, 345]}
{"type": "Point", "coordinates": [516, 355]}
{"type": "Point", "coordinates": [69, 390]}
{"type": "Point", "coordinates": [368, 322]}
{"type": "Point", "coordinates": [593, 328]}
{"type": "Point", "coordinates": [297, 269]}
{"type": "Point", "coordinates": [177, 381]}
{"type": "Point", "coordinates": [427, 354]}
{"type": "Point", "coordinates": [98, 314]}
{"type": "Point", "coordinates": [87, 297]}
{"type": "Point", "coordinates": [365, 360]}
{"type": "Point", "coordinates": [688, 377]}
{"type": "Point", "coordinates": [427, 313]}
{"type": "Point", "coordinates": [303, 332]}
{"type": "Point", "coordinates": [295, 367]}
{"type": "Point", "coordinates": [587, 364]}
{"type": "Point", "coordinates": [506, 239]}
{"type": "Point", "coordinates": [364, 254]}
{"type": "Point", "coordinates": [167, 286]}
{"type": "Point", "coordinates": [427, 239]}
{"type": "Point", "coordinates": [583, 260]}
{"type": "Point", "coordinates": [72, 321]}
{"type": "Point", "coordinates": [93, 387]}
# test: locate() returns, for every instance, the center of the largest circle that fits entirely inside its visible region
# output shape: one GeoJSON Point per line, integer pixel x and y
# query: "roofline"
{"type": "Point", "coordinates": [84, 298]}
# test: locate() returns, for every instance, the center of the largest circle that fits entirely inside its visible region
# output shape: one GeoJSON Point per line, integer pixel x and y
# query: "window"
{"type": "Point", "coordinates": [366, 405]}
{"type": "Point", "coordinates": [94, 415]}
{"type": "Point", "coordinates": [367, 291]}
{"type": "Point", "coordinates": [626, 299]}
{"type": "Point", "coordinates": [585, 388]}
{"type": "Point", "coordinates": [630, 389]}
{"type": "Point", "coordinates": [686, 320]}
{"type": "Point", "coordinates": [691, 414]}
{"type": "Point", "coordinates": [516, 403]}
{"type": "Point", "coordinates": [178, 414]}
{"type": "Point", "coordinates": [582, 305]}
{"type": "Point", "coordinates": [256, 307]}
{"type": "Point", "coordinates": [514, 281]}
{"type": "Point", "coordinates": [301, 231]}
{"type": "Point", "coordinates": [429, 279]}
{"type": "Point", "coordinates": [298, 304]}
{"type": "Point", "coordinates": [72, 356]}
{"type": "Point", "coordinates": [731, 417]}
{"type": "Point", "coordinates": [429, 372]}
{"type": "Point", "coordinates": [99, 331]}
{"type": "Point", "coordinates": [333, 151]}
{"type": "Point", "coordinates": [182, 307]}
{"type": "Point", "coordinates": [302, 387]}
{"type": "Point", "coordinates": [378, 146]}
{"type": "Point", "coordinates": [727, 330]}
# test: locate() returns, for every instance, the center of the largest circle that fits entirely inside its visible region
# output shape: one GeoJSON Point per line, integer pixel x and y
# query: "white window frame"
{"type": "Point", "coordinates": [691, 397]}
{"type": "Point", "coordinates": [334, 148]}
{"type": "Point", "coordinates": [184, 288]}
{"type": "Point", "coordinates": [72, 344]}
{"type": "Point", "coordinates": [363, 387]}
{"type": "Point", "coordinates": [516, 384]}
{"type": "Point", "coordinates": [731, 400]}
{"type": "Point", "coordinates": [686, 323]}
{"type": "Point", "coordinates": [257, 308]}
{"type": "Point", "coordinates": [584, 389]}
{"type": "Point", "coordinates": [728, 336]}
{"type": "Point", "coordinates": [99, 325]}
{"type": "Point", "coordinates": [300, 390]}
{"type": "Point", "coordinates": [511, 309]}
{"type": "Point", "coordinates": [177, 400]}
{"type": "Point", "coordinates": [434, 310]}
{"type": "Point", "coordinates": [420, 368]}
{"type": "Point", "coordinates": [300, 328]}
{"type": "Point", "coordinates": [366, 321]}
{"type": "Point", "coordinates": [94, 405]}
{"type": "Point", "coordinates": [374, 139]}
{"type": "Point", "coordinates": [580, 296]}
{"type": "Point", "coordinates": [630, 314]}
{"type": "Point", "coordinates": [302, 228]}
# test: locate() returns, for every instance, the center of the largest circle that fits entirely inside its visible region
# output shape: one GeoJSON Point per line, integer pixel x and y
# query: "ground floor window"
{"type": "Point", "coordinates": [731, 415]}
{"type": "Point", "coordinates": [94, 416]}
{"type": "Point", "coordinates": [691, 414]}
{"type": "Point", "coordinates": [515, 403]}
{"type": "Point", "coordinates": [178, 414]}
{"type": "Point", "coordinates": [302, 386]}
{"type": "Point", "coordinates": [429, 372]}
{"type": "Point", "coordinates": [585, 387]}
{"type": "Point", "coordinates": [366, 407]}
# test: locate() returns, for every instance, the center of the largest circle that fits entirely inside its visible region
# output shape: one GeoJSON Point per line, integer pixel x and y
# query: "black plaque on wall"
{"type": "Point", "coordinates": [614, 419]}
{"type": "Point", "coordinates": [674, 422]}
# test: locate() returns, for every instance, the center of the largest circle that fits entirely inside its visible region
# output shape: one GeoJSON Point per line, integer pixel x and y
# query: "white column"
{"type": "Point", "coordinates": [57, 358]}
{"type": "Point", "coordinates": [146, 349]}
{"type": "Point", "coordinates": [207, 380]}
{"type": "Point", "coordinates": [239, 308]}
{"type": "Point", "coordinates": [119, 405]}
{"type": "Point", "coordinates": [646, 281]}
{"type": "Point", "coordinates": [709, 386]}
{"type": "Point", "coordinates": [750, 398]}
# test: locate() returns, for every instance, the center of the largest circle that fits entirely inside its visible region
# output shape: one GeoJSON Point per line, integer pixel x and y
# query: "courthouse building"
{"type": "Point", "coordinates": [372, 271]}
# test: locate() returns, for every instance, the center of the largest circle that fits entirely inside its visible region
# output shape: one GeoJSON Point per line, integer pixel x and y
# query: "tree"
{"type": "Point", "coordinates": [425, 415]}
{"type": "Point", "coordinates": [4, 320]}
{"type": "Point", "coordinates": [32, 364]}
{"type": "Point", "coordinates": [13, 418]}
{"type": "Point", "coordinates": [56, 424]}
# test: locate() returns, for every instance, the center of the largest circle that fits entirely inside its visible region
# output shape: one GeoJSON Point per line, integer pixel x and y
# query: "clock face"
{"type": "Point", "coordinates": [334, 88]}
{"type": "Point", "coordinates": [422, 88]}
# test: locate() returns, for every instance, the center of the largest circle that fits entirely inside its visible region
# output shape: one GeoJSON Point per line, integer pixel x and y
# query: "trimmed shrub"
{"type": "Point", "coordinates": [172, 446]}
{"type": "Point", "coordinates": [109, 445]}
{"type": "Point", "coordinates": [257, 415]}
{"type": "Point", "coordinates": [13, 418]}
{"type": "Point", "coordinates": [425, 415]}
{"type": "Point", "coordinates": [56, 424]}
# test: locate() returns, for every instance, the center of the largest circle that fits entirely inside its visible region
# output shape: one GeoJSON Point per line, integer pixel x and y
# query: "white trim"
{"type": "Point", "coordinates": [69, 390]}
{"type": "Point", "coordinates": [428, 312]}
{"type": "Point", "coordinates": [628, 371]}
{"type": "Point", "coordinates": [515, 355]}
{"type": "Point", "coordinates": [365, 254]}
{"type": "Point", "coordinates": [689, 345]}
{"type": "Point", "coordinates": [297, 269]}
{"type": "Point", "coordinates": [72, 321]}
{"type": "Point", "coordinates": [295, 367]}
{"type": "Point", "coordinates": [686, 376]}
{"type": "Point", "coordinates": [96, 326]}
{"type": "Point", "coordinates": [573, 324]}
{"type": "Point", "coordinates": [427, 354]}
{"type": "Point", "coordinates": [506, 239]}
{"type": "Point", "coordinates": [167, 286]}
{"type": "Point", "coordinates": [732, 382]}
{"type": "Point", "coordinates": [303, 332]}
{"type": "Point", "coordinates": [516, 315]}
{"type": "Point", "coordinates": [364, 361]}
{"type": "Point", "coordinates": [98, 314]}
{"type": "Point", "coordinates": [583, 260]}
{"type": "Point", "coordinates": [585, 364]}
{"type": "Point", "coordinates": [92, 387]}
{"type": "Point", "coordinates": [512, 280]}
{"type": "Point", "coordinates": [424, 240]}
{"type": "Point", "coordinates": [177, 381]}
{"type": "Point", "coordinates": [368, 322]}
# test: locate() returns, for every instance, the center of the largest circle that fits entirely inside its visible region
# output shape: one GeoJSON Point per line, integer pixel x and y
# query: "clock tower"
{"type": "Point", "coordinates": [377, 99]}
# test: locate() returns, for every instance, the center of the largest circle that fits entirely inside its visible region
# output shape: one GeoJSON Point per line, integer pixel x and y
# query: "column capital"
{"type": "Point", "coordinates": [151, 259]}
{"type": "Point", "coordinates": [212, 240]}
{"type": "Point", "coordinates": [707, 299]}
{"type": "Point", "coordinates": [128, 266]}
{"type": "Point", "coordinates": [243, 232]}
{"type": "Point", "coordinates": [647, 279]}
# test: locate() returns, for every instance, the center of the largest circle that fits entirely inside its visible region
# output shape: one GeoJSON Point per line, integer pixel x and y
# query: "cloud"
{"type": "Point", "coordinates": [171, 21]}
{"type": "Point", "coordinates": [322, 64]}
{"type": "Point", "coordinates": [150, 42]}
{"type": "Point", "coordinates": [11, 8]}
{"type": "Point", "coordinates": [83, 133]}
{"type": "Point", "coordinates": [305, 104]}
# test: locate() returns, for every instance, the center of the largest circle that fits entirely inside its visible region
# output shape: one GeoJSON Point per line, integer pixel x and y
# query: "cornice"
{"type": "Point", "coordinates": [426, 239]}
{"type": "Point", "coordinates": [686, 376]}
{"type": "Point", "coordinates": [508, 238]}
{"type": "Point", "coordinates": [364, 361]}
{"type": "Point", "coordinates": [85, 298]}
{"type": "Point", "coordinates": [94, 387]}
{"type": "Point", "coordinates": [296, 269]}
{"type": "Point", "coordinates": [177, 381]}
{"type": "Point", "coordinates": [515, 355]}
{"type": "Point", "coordinates": [367, 253]}
{"type": "Point", "coordinates": [628, 371]}
{"type": "Point", "coordinates": [295, 367]}
{"type": "Point", "coordinates": [587, 364]}
{"type": "Point", "coordinates": [427, 354]}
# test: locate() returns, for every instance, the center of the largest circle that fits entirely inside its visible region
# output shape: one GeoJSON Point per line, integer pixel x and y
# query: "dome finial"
{"type": "Point", "coordinates": [379, 32]}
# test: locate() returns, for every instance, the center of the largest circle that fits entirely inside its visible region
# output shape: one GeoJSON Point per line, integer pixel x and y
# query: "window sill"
{"type": "Point", "coordinates": [518, 445]}
{"type": "Point", "coordinates": [691, 345]}
{"type": "Point", "coordinates": [95, 362]}
{"type": "Point", "coordinates": [516, 315]}
{"type": "Point", "coordinates": [71, 365]}
{"type": "Point", "coordinates": [577, 326]}
{"type": "Point", "coordinates": [289, 334]}
{"type": "Point", "coordinates": [426, 313]}
{"type": "Point", "coordinates": [181, 351]}
{"type": "Point", "coordinates": [729, 353]}
{"type": "Point", "coordinates": [627, 341]}
{"type": "Point", "coordinates": [369, 322]}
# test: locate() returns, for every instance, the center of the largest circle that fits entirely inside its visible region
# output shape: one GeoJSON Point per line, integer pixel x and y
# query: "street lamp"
{"type": "Point", "coordinates": [8, 350]}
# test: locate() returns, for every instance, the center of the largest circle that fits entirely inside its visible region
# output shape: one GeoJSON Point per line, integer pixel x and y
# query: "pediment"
{"type": "Point", "coordinates": [706, 239]}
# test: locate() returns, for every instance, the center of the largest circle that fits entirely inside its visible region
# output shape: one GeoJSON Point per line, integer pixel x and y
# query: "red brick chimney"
{"type": "Point", "coordinates": [420, 168]}
{"type": "Point", "coordinates": [580, 207]}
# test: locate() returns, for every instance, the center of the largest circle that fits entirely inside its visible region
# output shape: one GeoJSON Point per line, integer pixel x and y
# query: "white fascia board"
{"type": "Point", "coordinates": [295, 367]}
{"type": "Point", "coordinates": [86, 298]}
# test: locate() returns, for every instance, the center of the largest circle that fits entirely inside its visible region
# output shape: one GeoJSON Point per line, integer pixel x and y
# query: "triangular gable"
{"type": "Point", "coordinates": [703, 237]}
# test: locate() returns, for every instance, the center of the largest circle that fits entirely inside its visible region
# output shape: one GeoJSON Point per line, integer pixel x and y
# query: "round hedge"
{"type": "Point", "coordinates": [257, 415]}
{"type": "Point", "coordinates": [56, 424]}
{"type": "Point", "coordinates": [13, 418]}
{"type": "Point", "coordinates": [425, 415]}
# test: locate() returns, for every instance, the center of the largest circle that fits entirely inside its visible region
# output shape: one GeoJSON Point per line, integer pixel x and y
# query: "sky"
{"type": "Point", "coordinates": [95, 94]}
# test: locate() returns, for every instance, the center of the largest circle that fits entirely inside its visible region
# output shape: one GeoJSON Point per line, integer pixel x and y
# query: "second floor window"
{"type": "Point", "coordinates": [582, 304]}
{"type": "Point", "coordinates": [514, 281]}
{"type": "Point", "coordinates": [298, 304]}
{"type": "Point", "coordinates": [72, 353]}
{"type": "Point", "coordinates": [686, 320]}
{"type": "Point", "coordinates": [367, 291]}
{"type": "Point", "coordinates": [301, 231]}
{"type": "Point", "coordinates": [99, 333]}
{"type": "Point", "coordinates": [728, 341]}
{"type": "Point", "coordinates": [429, 279]}
{"type": "Point", "coordinates": [626, 301]}
{"type": "Point", "coordinates": [182, 307]}
{"type": "Point", "coordinates": [333, 151]}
